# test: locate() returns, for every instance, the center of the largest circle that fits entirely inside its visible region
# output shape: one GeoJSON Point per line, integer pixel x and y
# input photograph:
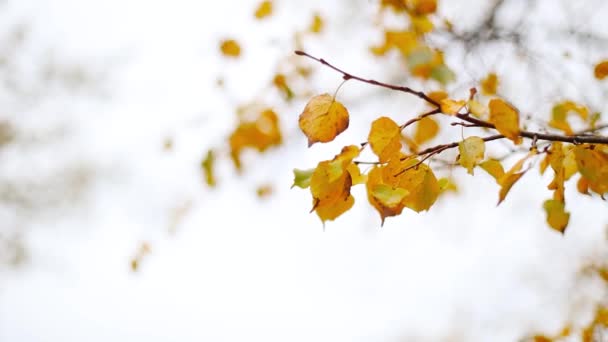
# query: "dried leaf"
{"type": "Point", "coordinates": [323, 119]}
{"type": "Point", "coordinates": [506, 119]}
{"type": "Point", "coordinates": [601, 70]}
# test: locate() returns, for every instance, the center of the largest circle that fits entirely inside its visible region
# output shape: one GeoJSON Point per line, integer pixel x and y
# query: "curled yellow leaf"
{"type": "Point", "coordinates": [506, 119]}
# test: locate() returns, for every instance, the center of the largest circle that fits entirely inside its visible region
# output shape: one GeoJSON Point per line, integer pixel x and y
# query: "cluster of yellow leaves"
{"type": "Point", "coordinates": [422, 60]}
{"type": "Point", "coordinates": [259, 134]}
{"type": "Point", "coordinates": [397, 182]}
{"type": "Point", "coordinates": [561, 160]}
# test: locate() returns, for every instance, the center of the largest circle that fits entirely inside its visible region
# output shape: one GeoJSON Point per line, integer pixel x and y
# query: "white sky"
{"type": "Point", "coordinates": [241, 269]}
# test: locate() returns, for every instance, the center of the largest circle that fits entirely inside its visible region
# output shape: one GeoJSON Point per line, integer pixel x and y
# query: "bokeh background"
{"type": "Point", "coordinates": [108, 108]}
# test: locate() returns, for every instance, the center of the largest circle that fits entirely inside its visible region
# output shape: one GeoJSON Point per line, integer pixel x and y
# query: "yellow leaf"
{"type": "Point", "coordinates": [317, 24]}
{"type": "Point", "coordinates": [374, 180]}
{"type": "Point", "coordinates": [438, 95]}
{"type": "Point", "coordinates": [446, 184]}
{"type": "Point", "coordinates": [264, 190]}
{"type": "Point", "coordinates": [230, 48]}
{"type": "Point", "coordinates": [506, 183]}
{"type": "Point", "coordinates": [388, 195]}
{"type": "Point", "coordinates": [451, 107]}
{"type": "Point", "coordinates": [301, 178]}
{"type": "Point", "coordinates": [208, 168]}
{"type": "Point", "coordinates": [404, 41]}
{"type": "Point", "coordinates": [559, 115]}
{"type": "Point", "coordinates": [280, 81]}
{"type": "Point", "coordinates": [330, 210]}
{"type": "Point", "coordinates": [330, 184]}
{"type": "Point", "coordinates": [494, 168]}
{"type": "Point", "coordinates": [426, 129]}
{"type": "Point", "coordinates": [601, 70]}
{"type": "Point", "coordinates": [506, 119]}
{"type": "Point", "coordinates": [260, 134]}
{"type": "Point", "coordinates": [356, 175]}
{"type": "Point", "coordinates": [323, 119]}
{"type": "Point", "coordinates": [582, 185]}
{"type": "Point", "coordinates": [511, 177]}
{"type": "Point", "coordinates": [489, 85]}
{"type": "Point", "coordinates": [477, 109]}
{"type": "Point", "coordinates": [593, 165]}
{"type": "Point", "coordinates": [557, 217]}
{"type": "Point", "coordinates": [385, 138]}
{"type": "Point", "coordinates": [264, 10]}
{"type": "Point", "coordinates": [422, 25]}
{"type": "Point", "coordinates": [420, 181]}
{"type": "Point", "coordinates": [472, 150]}
{"type": "Point", "coordinates": [329, 192]}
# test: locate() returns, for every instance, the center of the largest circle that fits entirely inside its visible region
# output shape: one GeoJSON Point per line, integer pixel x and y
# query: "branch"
{"type": "Point", "coordinates": [347, 76]}
{"type": "Point", "coordinates": [535, 136]}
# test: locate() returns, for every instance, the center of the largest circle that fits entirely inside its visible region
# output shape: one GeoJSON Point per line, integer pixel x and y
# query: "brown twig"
{"type": "Point", "coordinates": [573, 139]}
{"type": "Point", "coordinates": [348, 76]}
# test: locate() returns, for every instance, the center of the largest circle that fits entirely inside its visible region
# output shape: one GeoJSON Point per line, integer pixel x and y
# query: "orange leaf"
{"type": "Point", "coordinates": [601, 70]}
{"type": "Point", "coordinates": [424, 7]}
{"type": "Point", "coordinates": [323, 119]}
{"type": "Point", "coordinates": [506, 119]}
{"type": "Point", "coordinates": [385, 138]}
{"type": "Point", "coordinates": [230, 48]}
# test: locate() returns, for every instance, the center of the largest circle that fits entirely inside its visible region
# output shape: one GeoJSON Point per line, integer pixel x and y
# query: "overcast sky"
{"type": "Point", "coordinates": [97, 182]}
